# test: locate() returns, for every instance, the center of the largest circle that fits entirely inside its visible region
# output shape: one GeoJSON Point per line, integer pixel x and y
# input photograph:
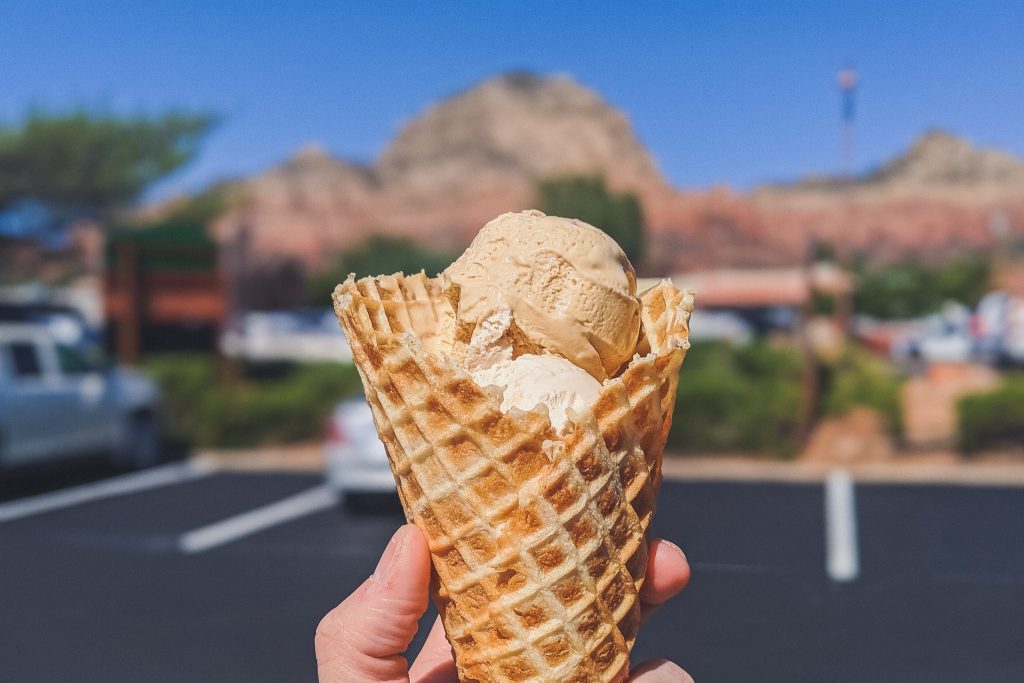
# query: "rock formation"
{"type": "Point", "coordinates": [476, 154]}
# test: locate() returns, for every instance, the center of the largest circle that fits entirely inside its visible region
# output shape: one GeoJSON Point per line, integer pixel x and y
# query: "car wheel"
{"type": "Point", "coordinates": [142, 446]}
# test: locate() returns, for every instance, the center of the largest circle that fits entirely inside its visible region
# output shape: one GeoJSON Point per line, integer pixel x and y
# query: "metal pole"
{"type": "Point", "coordinates": [847, 81]}
{"type": "Point", "coordinates": [130, 320]}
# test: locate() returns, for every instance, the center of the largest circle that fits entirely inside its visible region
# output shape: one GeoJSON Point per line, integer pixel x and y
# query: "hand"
{"type": "Point", "coordinates": [364, 637]}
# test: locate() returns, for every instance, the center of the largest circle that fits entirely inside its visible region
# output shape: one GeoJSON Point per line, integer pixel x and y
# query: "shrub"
{"type": "Point", "coordinates": [737, 398]}
{"type": "Point", "coordinates": [860, 379]}
{"type": "Point", "coordinates": [290, 406]}
{"type": "Point", "coordinates": [992, 418]}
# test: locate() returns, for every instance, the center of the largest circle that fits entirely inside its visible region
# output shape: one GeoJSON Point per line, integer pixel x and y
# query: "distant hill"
{"type": "Point", "coordinates": [941, 197]}
{"type": "Point", "coordinates": [936, 161]}
{"type": "Point", "coordinates": [480, 152]}
{"type": "Point", "coordinates": [513, 128]}
{"type": "Point", "coordinates": [939, 160]}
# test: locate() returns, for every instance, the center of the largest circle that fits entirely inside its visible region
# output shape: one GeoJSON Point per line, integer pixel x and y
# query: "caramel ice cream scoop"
{"type": "Point", "coordinates": [570, 288]}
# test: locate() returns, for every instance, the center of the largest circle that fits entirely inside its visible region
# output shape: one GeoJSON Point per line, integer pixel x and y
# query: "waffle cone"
{"type": "Point", "coordinates": [538, 540]}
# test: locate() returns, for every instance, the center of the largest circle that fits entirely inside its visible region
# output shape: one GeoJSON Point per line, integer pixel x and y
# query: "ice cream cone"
{"type": "Point", "coordinates": [538, 538]}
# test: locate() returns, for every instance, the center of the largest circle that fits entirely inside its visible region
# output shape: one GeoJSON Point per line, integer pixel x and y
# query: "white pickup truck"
{"type": "Point", "coordinates": [55, 403]}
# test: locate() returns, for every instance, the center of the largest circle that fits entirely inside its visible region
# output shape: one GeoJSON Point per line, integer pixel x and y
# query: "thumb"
{"type": "Point", "coordinates": [659, 671]}
{"type": "Point", "coordinates": [363, 638]}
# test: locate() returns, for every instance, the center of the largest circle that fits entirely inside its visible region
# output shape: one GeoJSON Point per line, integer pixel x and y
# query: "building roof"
{"type": "Point", "coordinates": [759, 288]}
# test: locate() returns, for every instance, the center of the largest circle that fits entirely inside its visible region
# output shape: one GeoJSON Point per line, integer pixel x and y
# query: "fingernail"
{"type": "Point", "coordinates": [387, 561]}
{"type": "Point", "coordinates": [673, 545]}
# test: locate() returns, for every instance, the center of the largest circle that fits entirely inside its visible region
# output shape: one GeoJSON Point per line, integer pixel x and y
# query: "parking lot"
{"type": "Point", "coordinates": [185, 573]}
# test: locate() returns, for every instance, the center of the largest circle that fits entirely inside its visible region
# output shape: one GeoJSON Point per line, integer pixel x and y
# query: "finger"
{"type": "Point", "coordinates": [435, 663]}
{"type": "Point", "coordinates": [363, 638]}
{"type": "Point", "coordinates": [668, 572]}
{"type": "Point", "coordinates": [659, 671]}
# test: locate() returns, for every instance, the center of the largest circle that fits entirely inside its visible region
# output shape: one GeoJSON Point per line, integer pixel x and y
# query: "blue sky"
{"type": "Point", "coordinates": [721, 92]}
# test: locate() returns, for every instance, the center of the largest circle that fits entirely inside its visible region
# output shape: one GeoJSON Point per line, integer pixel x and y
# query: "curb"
{"type": "Point", "coordinates": [940, 469]}
{"type": "Point", "coordinates": [924, 472]}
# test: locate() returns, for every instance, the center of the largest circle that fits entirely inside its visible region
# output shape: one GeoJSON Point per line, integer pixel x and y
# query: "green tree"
{"type": "Point", "coordinates": [909, 289]}
{"type": "Point", "coordinates": [376, 255]}
{"type": "Point", "coordinates": [587, 198]}
{"type": "Point", "coordinates": [87, 165]}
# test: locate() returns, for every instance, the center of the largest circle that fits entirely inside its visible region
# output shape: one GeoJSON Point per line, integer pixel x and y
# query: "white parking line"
{"type": "Point", "coordinates": [842, 563]}
{"type": "Point", "coordinates": [233, 528]}
{"type": "Point", "coordinates": [165, 475]}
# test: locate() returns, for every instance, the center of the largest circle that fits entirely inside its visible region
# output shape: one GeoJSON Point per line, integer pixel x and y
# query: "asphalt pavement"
{"type": "Point", "coordinates": [200, 575]}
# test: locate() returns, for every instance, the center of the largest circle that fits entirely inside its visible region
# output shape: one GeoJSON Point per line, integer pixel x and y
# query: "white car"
{"type": "Point", "coordinates": [357, 464]}
{"type": "Point", "coordinates": [999, 328]}
{"type": "Point", "coordinates": [56, 403]}
{"type": "Point", "coordinates": [301, 335]}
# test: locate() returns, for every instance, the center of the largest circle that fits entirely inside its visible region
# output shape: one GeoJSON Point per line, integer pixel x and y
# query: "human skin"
{"type": "Point", "coordinates": [365, 637]}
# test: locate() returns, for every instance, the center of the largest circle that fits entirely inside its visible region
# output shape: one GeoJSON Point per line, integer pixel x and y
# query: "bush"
{"type": "Point", "coordinates": [860, 379]}
{"type": "Point", "coordinates": [993, 418]}
{"type": "Point", "coordinates": [290, 407]}
{"type": "Point", "coordinates": [737, 398]}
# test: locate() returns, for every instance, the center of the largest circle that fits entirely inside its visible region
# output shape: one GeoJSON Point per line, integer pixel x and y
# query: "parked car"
{"type": "Point", "coordinates": [58, 402]}
{"type": "Point", "coordinates": [999, 329]}
{"type": "Point", "coordinates": [357, 464]}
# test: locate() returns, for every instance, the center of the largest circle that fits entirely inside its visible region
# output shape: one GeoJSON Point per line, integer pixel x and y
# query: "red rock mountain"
{"type": "Point", "coordinates": [512, 129]}
{"type": "Point", "coordinates": [481, 152]}
{"type": "Point", "coordinates": [462, 162]}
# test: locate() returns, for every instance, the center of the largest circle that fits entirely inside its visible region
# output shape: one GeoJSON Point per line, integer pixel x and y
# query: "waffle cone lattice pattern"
{"type": "Point", "coordinates": [539, 540]}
